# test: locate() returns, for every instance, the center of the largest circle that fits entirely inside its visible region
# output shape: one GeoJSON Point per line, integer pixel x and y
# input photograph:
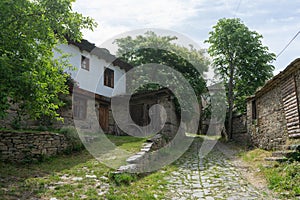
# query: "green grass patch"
{"type": "Point", "coordinates": [57, 176]}
{"type": "Point", "coordinates": [128, 143]}
{"type": "Point", "coordinates": [283, 178]}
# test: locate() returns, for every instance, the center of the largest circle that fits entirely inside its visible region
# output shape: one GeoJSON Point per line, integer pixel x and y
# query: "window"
{"type": "Point", "coordinates": [79, 108]}
{"type": "Point", "coordinates": [254, 112]}
{"type": "Point", "coordinates": [109, 77]}
{"type": "Point", "coordinates": [85, 63]}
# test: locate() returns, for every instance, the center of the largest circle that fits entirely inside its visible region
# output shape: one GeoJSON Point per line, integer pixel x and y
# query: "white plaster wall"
{"type": "Point", "coordinates": [92, 80]}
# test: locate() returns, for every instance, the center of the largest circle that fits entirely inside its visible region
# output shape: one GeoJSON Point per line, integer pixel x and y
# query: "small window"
{"type": "Point", "coordinates": [85, 63]}
{"type": "Point", "coordinates": [109, 77]}
{"type": "Point", "coordinates": [254, 111]}
{"type": "Point", "coordinates": [79, 108]}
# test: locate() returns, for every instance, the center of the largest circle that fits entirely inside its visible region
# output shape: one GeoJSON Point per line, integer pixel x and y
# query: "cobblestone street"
{"type": "Point", "coordinates": [211, 177]}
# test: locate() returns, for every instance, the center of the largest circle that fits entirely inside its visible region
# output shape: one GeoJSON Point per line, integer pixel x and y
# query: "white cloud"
{"type": "Point", "coordinates": [275, 20]}
{"type": "Point", "coordinates": [116, 16]}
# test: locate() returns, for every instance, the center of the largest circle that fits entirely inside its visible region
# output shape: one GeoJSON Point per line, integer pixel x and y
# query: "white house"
{"type": "Point", "coordinates": [97, 73]}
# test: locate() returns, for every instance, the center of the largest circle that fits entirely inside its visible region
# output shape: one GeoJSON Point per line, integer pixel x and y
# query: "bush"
{"type": "Point", "coordinates": [72, 138]}
{"type": "Point", "coordinates": [122, 178]}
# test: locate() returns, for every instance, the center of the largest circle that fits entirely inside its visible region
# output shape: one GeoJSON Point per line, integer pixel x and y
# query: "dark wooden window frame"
{"type": "Point", "coordinates": [108, 77]}
{"type": "Point", "coordinates": [85, 63]}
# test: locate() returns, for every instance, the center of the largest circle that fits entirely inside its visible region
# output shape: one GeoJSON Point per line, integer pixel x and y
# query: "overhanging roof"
{"type": "Point", "coordinates": [102, 53]}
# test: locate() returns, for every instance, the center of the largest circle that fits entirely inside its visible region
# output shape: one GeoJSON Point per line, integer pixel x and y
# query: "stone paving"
{"type": "Point", "coordinates": [209, 178]}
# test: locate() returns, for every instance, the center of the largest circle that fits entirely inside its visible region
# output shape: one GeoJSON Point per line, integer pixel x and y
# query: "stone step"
{"type": "Point", "coordinates": [285, 153]}
{"type": "Point", "coordinates": [135, 158]}
{"type": "Point", "coordinates": [294, 136]}
{"type": "Point", "coordinates": [126, 168]}
{"type": "Point", "coordinates": [295, 147]}
{"type": "Point", "coordinates": [277, 159]}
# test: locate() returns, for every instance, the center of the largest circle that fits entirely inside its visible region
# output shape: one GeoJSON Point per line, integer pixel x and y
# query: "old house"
{"type": "Point", "coordinates": [273, 112]}
{"type": "Point", "coordinates": [96, 73]}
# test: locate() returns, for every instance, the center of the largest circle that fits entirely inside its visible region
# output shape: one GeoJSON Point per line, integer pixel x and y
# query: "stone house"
{"type": "Point", "coordinates": [273, 111]}
{"type": "Point", "coordinates": [97, 73]}
{"type": "Point", "coordinates": [146, 116]}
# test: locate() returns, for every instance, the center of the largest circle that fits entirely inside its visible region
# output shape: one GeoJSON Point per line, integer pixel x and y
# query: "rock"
{"type": "Point", "coordinates": [91, 176]}
{"type": "Point", "coordinates": [77, 179]}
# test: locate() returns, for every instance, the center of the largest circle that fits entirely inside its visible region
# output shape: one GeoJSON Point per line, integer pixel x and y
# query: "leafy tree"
{"type": "Point", "coordinates": [240, 60]}
{"type": "Point", "coordinates": [151, 48]}
{"type": "Point", "coordinates": [30, 77]}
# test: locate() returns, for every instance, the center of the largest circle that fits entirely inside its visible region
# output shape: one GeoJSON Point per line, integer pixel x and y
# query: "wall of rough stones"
{"type": "Point", "coordinates": [25, 123]}
{"type": "Point", "coordinates": [28, 146]}
{"type": "Point", "coordinates": [146, 101]}
{"type": "Point", "coordinates": [268, 131]}
{"type": "Point", "coordinates": [239, 132]}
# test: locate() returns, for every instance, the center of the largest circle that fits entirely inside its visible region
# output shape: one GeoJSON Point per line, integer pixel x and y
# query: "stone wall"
{"type": "Point", "coordinates": [28, 146]}
{"type": "Point", "coordinates": [89, 124]}
{"type": "Point", "coordinates": [9, 122]}
{"type": "Point", "coordinates": [268, 131]}
{"type": "Point", "coordinates": [239, 132]}
{"type": "Point", "coordinates": [140, 106]}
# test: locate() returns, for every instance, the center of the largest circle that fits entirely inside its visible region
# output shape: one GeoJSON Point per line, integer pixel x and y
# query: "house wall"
{"type": "Point", "coordinates": [268, 131]}
{"type": "Point", "coordinates": [92, 80]}
{"type": "Point", "coordinates": [145, 101]}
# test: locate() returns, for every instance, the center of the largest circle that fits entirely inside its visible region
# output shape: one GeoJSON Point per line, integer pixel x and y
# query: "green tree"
{"type": "Point", "coordinates": [152, 48]}
{"type": "Point", "coordinates": [30, 77]}
{"type": "Point", "coordinates": [240, 60]}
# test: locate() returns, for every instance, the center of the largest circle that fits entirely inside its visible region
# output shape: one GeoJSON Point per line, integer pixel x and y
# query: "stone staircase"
{"type": "Point", "coordinates": [287, 152]}
{"type": "Point", "coordinates": [134, 161]}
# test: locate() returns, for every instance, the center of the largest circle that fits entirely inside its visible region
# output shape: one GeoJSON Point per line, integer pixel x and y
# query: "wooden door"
{"type": "Point", "coordinates": [103, 117]}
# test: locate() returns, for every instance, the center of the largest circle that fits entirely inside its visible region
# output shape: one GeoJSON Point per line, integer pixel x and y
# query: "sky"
{"type": "Point", "coordinates": [278, 21]}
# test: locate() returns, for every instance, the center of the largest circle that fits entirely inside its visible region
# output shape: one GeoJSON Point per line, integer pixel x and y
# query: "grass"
{"type": "Point", "coordinates": [79, 176]}
{"type": "Point", "coordinates": [283, 178]}
{"type": "Point", "coordinates": [132, 144]}
{"type": "Point", "coordinates": [152, 186]}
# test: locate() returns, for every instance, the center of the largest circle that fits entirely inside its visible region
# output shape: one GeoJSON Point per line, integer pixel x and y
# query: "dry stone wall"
{"type": "Point", "coordinates": [28, 146]}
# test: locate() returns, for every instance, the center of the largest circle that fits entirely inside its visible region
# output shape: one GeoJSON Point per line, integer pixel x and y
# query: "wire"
{"type": "Point", "coordinates": [288, 44]}
{"type": "Point", "coordinates": [237, 8]}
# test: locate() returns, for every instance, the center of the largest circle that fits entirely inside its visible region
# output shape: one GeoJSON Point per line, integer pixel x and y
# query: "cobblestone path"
{"type": "Point", "coordinates": [211, 177]}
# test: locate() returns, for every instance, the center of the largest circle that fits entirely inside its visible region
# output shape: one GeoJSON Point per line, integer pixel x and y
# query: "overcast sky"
{"type": "Point", "coordinates": [277, 20]}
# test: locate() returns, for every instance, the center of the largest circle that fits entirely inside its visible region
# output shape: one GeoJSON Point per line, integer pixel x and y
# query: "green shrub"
{"type": "Point", "coordinates": [72, 138]}
{"type": "Point", "coordinates": [122, 178]}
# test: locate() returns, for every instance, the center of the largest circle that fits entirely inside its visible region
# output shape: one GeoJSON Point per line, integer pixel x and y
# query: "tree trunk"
{"type": "Point", "coordinates": [230, 100]}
